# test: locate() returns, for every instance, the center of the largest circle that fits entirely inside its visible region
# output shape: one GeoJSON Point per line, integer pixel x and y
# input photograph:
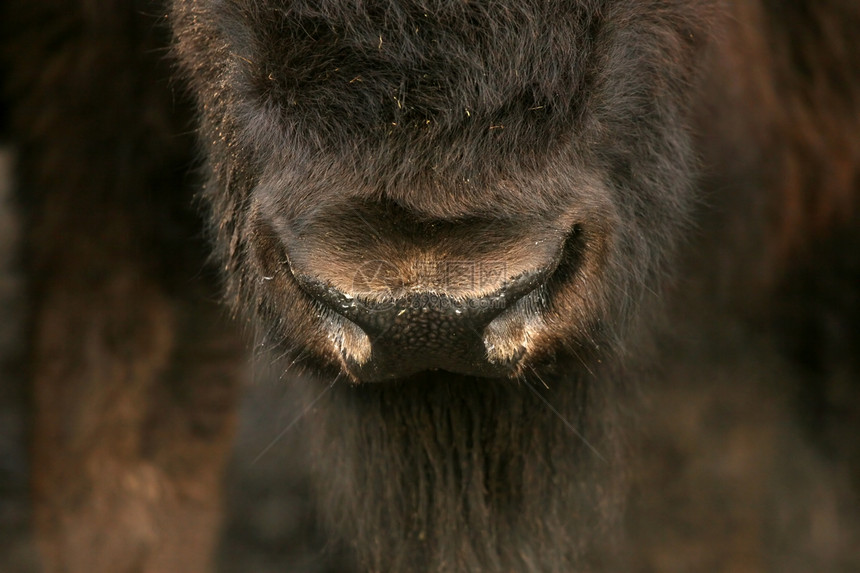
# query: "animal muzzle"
{"type": "Point", "coordinates": [399, 294]}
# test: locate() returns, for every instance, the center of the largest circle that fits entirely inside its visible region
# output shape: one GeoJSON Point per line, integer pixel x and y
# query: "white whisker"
{"type": "Point", "coordinates": [295, 420]}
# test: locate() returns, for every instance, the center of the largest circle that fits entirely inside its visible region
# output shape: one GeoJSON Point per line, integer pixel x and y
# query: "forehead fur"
{"type": "Point", "coordinates": [365, 69]}
{"type": "Point", "coordinates": [434, 80]}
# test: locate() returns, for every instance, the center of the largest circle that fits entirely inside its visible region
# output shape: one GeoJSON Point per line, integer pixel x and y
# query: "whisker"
{"type": "Point", "coordinates": [564, 420]}
{"type": "Point", "coordinates": [539, 377]}
{"type": "Point", "coordinates": [296, 420]}
{"type": "Point", "coordinates": [576, 355]}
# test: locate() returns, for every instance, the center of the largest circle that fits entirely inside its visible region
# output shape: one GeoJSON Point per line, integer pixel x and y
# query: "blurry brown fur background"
{"type": "Point", "coordinates": [747, 447]}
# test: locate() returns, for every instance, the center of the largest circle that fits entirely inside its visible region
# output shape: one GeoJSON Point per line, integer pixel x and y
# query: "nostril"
{"type": "Point", "coordinates": [570, 256]}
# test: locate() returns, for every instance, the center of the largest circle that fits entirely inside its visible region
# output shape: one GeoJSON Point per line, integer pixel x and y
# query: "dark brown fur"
{"type": "Point", "coordinates": [699, 160]}
{"type": "Point", "coordinates": [132, 369]}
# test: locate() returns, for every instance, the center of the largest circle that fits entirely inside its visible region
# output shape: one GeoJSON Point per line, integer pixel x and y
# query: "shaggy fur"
{"type": "Point", "coordinates": [132, 368]}
{"type": "Point", "coordinates": [16, 547]}
{"type": "Point", "coordinates": [697, 164]}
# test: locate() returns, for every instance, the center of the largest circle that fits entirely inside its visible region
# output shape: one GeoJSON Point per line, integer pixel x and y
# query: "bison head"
{"type": "Point", "coordinates": [468, 187]}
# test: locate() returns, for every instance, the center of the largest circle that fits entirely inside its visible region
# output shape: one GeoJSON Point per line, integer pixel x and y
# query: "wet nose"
{"type": "Point", "coordinates": [424, 330]}
{"type": "Point", "coordinates": [418, 294]}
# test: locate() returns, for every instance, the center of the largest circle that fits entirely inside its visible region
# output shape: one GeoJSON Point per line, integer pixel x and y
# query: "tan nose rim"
{"type": "Point", "coordinates": [358, 308]}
